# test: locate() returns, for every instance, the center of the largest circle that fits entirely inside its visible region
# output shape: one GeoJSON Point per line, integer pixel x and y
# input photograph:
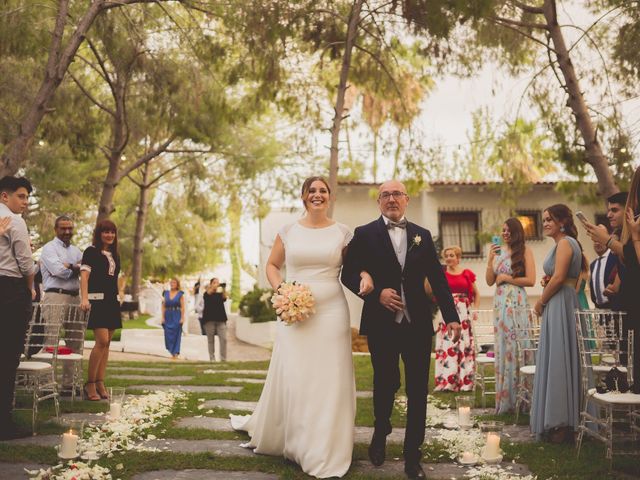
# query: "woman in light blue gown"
{"type": "Point", "coordinates": [555, 408]}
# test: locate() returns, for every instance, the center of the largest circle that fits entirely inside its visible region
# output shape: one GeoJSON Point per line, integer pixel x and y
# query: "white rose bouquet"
{"type": "Point", "coordinates": [293, 302]}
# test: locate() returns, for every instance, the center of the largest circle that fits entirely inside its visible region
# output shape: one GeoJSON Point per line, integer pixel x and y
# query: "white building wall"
{"type": "Point", "coordinates": [356, 205]}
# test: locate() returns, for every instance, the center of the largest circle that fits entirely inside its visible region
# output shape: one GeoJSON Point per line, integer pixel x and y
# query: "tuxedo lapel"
{"type": "Point", "coordinates": [385, 239]}
{"type": "Point", "coordinates": [411, 233]}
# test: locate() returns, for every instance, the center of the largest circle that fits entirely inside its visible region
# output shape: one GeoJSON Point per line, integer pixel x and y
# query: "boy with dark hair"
{"type": "Point", "coordinates": [17, 270]}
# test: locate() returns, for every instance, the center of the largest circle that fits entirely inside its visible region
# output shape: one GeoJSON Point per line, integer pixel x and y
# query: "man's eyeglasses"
{"type": "Point", "coordinates": [396, 195]}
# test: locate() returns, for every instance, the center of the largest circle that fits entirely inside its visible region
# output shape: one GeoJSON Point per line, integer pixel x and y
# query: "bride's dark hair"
{"type": "Point", "coordinates": [306, 185]}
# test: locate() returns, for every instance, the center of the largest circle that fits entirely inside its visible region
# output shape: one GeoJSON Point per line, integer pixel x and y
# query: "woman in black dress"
{"type": "Point", "coordinates": [629, 290]}
{"type": "Point", "coordinates": [99, 293]}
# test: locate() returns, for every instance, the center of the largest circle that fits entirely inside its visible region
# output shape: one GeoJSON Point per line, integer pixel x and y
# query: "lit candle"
{"type": "Point", "coordinates": [492, 450]}
{"type": "Point", "coordinates": [468, 457]}
{"type": "Point", "coordinates": [464, 416]}
{"type": "Point", "coordinates": [115, 409]}
{"type": "Point", "coordinates": [69, 445]}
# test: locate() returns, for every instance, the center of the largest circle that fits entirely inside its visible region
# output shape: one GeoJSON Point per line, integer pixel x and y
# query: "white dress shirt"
{"type": "Point", "coordinates": [54, 274]}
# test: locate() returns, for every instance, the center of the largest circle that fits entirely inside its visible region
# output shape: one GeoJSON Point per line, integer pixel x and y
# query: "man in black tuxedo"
{"type": "Point", "coordinates": [603, 273]}
{"type": "Point", "coordinates": [387, 263]}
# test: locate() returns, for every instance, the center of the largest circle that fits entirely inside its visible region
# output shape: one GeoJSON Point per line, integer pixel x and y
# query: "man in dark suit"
{"type": "Point", "coordinates": [387, 263]}
{"type": "Point", "coordinates": [603, 274]}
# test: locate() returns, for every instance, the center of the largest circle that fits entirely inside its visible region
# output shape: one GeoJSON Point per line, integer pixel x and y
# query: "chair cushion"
{"type": "Point", "coordinates": [528, 369]}
{"type": "Point", "coordinates": [606, 368]}
{"type": "Point", "coordinates": [485, 359]}
{"type": "Point", "coordinates": [33, 366]}
{"type": "Point", "coordinates": [49, 356]}
{"type": "Point", "coordinates": [615, 398]}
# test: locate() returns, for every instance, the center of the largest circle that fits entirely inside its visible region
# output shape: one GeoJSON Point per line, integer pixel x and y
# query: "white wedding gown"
{"type": "Point", "coordinates": [306, 411]}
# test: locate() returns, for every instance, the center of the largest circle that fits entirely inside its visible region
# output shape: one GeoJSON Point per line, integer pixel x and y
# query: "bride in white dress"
{"type": "Point", "coordinates": [307, 408]}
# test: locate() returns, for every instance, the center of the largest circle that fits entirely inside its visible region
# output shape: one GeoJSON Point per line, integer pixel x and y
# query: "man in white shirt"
{"type": "Point", "coordinates": [60, 267]}
{"type": "Point", "coordinates": [17, 270]}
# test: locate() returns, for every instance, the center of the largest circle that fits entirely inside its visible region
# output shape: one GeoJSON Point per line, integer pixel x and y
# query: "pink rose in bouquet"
{"type": "Point", "coordinates": [293, 302]}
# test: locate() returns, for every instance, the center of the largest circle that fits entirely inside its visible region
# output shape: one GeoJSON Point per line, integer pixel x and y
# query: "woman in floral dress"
{"type": "Point", "coordinates": [455, 362]}
{"type": "Point", "coordinates": [511, 268]}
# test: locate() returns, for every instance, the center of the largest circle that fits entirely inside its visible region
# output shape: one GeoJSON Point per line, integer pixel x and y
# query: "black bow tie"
{"type": "Point", "coordinates": [401, 224]}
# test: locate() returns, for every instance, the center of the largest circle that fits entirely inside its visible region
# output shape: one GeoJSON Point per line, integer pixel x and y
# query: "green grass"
{"type": "Point", "coordinates": [544, 460]}
{"type": "Point", "coordinates": [137, 322]}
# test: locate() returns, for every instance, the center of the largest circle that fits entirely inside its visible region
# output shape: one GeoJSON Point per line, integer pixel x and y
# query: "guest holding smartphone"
{"type": "Point", "coordinates": [511, 268]}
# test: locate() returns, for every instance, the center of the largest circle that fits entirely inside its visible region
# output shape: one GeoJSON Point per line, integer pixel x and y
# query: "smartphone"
{"type": "Point", "coordinates": [497, 240]}
{"type": "Point", "coordinates": [581, 217]}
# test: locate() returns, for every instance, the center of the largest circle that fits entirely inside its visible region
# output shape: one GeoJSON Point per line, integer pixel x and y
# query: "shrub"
{"type": "Point", "coordinates": [256, 305]}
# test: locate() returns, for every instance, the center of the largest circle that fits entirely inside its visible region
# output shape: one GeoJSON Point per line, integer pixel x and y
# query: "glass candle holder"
{"type": "Point", "coordinates": [491, 452]}
{"type": "Point", "coordinates": [68, 448]}
{"type": "Point", "coordinates": [464, 403]}
{"type": "Point", "coordinates": [116, 400]}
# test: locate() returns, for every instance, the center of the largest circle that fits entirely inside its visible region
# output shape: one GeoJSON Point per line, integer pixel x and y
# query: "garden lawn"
{"type": "Point", "coordinates": [544, 460]}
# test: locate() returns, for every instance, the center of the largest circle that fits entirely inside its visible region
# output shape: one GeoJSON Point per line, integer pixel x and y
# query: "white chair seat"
{"type": "Point", "coordinates": [61, 357]}
{"type": "Point", "coordinates": [604, 368]}
{"type": "Point", "coordinates": [616, 398]}
{"type": "Point", "coordinates": [528, 369]}
{"type": "Point", "coordinates": [485, 359]}
{"type": "Point", "coordinates": [33, 366]}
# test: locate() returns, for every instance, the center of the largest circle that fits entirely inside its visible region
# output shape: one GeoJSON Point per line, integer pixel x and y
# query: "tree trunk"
{"type": "Point", "coordinates": [374, 167]}
{"type": "Point", "coordinates": [396, 158]}
{"type": "Point", "coordinates": [595, 156]}
{"type": "Point", "coordinates": [15, 153]}
{"type": "Point", "coordinates": [119, 140]}
{"type": "Point", "coordinates": [141, 218]}
{"type": "Point", "coordinates": [235, 249]}
{"type": "Point", "coordinates": [105, 206]}
{"type": "Point", "coordinates": [352, 30]}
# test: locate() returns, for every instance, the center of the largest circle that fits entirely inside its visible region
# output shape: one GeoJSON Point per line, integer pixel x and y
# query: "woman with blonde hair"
{"type": "Point", "coordinates": [455, 361]}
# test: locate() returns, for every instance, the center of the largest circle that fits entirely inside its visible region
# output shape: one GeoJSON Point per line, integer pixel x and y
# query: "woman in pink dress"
{"type": "Point", "coordinates": [455, 362]}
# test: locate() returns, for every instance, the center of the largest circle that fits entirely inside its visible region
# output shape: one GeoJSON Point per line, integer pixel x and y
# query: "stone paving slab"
{"type": "Point", "coordinates": [434, 471]}
{"type": "Point", "coordinates": [155, 378]}
{"type": "Point", "coordinates": [246, 380]}
{"type": "Point", "coordinates": [231, 405]}
{"type": "Point", "coordinates": [364, 434]}
{"type": "Point", "coordinates": [236, 372]}
{"type": "Point", "coordinates": [222, 448]}
{"type": "Point", "coordinates": [39, 440]}
{"type": "Point", "coordinates": [90, 418]}
{"type": "Point", "coordinates": [140, 369]}
{"type": "Point", "coordinates": [188, 388]}
{"type": "Point", "coordinates": [207, 423]}
{"type": "Point", "coordinates": [364, 394]}
{"type": "Point", "coordinates": [11, 471]}
{"type": "Point", "coordinates": [201, 474]}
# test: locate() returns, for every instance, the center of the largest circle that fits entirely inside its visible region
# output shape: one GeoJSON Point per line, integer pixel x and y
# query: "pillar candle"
{"type": "Point", "coordinates": [115, 409]}
{"type": "Point", "coordinates": [464, 416]}
{"type": "Point", "coordinates": [492, 449]}
{"type": "Point", "coordinates": [69, 445]}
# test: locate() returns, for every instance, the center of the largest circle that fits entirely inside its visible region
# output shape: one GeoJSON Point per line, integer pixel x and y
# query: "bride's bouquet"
{"type": "Point", "coordinates": [293, 302]}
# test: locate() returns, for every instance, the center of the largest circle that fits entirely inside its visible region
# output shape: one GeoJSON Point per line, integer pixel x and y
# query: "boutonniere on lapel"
{"type": "Point", "coordinates": [417, 240]}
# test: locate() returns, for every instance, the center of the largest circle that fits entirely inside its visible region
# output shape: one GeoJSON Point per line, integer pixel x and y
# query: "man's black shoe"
{"type": "Point", "coordinates": [414, 471]}
{"type": "Point", "coordinates": [377, 449]}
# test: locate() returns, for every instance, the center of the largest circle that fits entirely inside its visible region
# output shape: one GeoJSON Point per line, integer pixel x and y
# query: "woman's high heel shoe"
{"type": "Point", "coordinates": [87, 396]}
{"type": "Point", "coordinates": [103, 395]}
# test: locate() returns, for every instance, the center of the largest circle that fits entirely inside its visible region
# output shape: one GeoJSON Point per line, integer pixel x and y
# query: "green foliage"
{"type": "Point", "coordinates": [256, 305]}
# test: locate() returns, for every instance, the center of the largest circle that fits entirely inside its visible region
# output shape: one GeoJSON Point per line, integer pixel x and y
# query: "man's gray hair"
{"type": "Point", "coordinates": [62, 218]}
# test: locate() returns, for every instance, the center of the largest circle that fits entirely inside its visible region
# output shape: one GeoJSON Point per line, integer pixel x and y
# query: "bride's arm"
{"type": "Point", "coordinates": [275, 262]}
